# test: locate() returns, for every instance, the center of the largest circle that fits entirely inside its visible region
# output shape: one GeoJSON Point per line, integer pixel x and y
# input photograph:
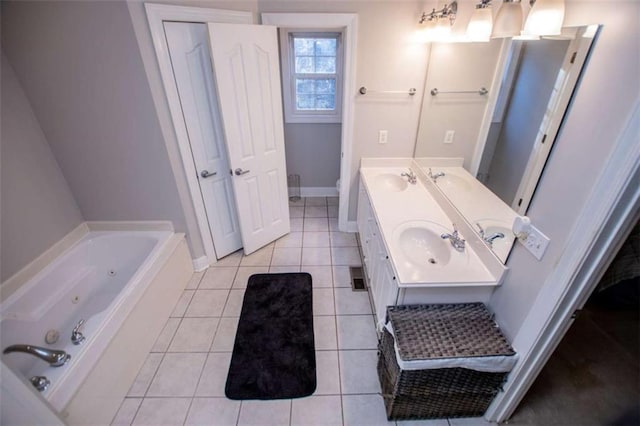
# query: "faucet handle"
{"type": "Point", "coordinates": [76, 335]}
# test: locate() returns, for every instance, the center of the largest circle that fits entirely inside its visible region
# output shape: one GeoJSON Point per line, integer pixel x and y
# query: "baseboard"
{"type": "Point", "coordinates": [313, 191]}
{"type": "Point", "coordinates": [200, 264]}
{"type": "Point", "coordinates": [352, 226]}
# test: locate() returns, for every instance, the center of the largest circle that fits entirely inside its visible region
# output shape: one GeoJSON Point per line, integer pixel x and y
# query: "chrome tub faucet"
{"type": "Point", "coordinates": [411, 177]}
{"type": "Point", "coordinates": [454, 238]}
{"type": "Point", "coordinates": [76, 336]}
{"type": "Point", "coordinates": [55, 358]}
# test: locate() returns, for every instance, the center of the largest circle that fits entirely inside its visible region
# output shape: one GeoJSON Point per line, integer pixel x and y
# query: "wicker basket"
{"type": "Point", "coordinates": [442, 392]}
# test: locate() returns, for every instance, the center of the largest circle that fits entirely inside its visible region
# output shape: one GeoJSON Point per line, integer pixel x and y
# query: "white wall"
{"type": "Point", "coordinates": [38, 208]}
{"type": "Point", "coordinates": [603, 103]}
{"type": "Point", "coordinates": [81, 69]}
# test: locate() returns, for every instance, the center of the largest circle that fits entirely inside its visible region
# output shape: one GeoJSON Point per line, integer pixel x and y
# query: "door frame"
{"type": "Point", "coordinates": [350, 23]}
{"type": "Point", "coordinates": [156, 15]}
{"type": "Point", "coordinates": [606, 220]}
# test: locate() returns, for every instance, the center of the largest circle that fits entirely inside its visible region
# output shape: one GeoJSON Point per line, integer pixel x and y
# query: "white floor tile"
{"type": "Point", "coordinates": [292, 239]}
{"type": "Point", "coordinates": [284, 269]}
{"type": "Point", "coordinates": [341, 276]}
{"type": "Point", "coordinates": [145, 375]}
{"type": "Point", "coordinates": [327, 375]}
{"type": "Point", "coordinates": [225, 335]}
{"type": "Point", "coordinates": [207, 303]}
{"type": "Point", "coordinates": [349, 256]}
{"type": "Point", "coordinates": [317, 411]}
{"type": "Point", "coordinates": [470, 421]}
{"type": "Point", "coordinates": [356, 332]}
{"type": "Point", "coordinates": [333, 224]}
{"type": "Point", "coordinates": [296, 224]}
{"type": "Point", "coordinates": [162, 411]}
{"type": "Point", "coordinates": [358, 372]}
{"type": "Point", "coordinates": [166, 335]}
{"type": "Point", "coordinates": [323, 301]}
{"type": "Point", "coordinates": [177, 375]}
{"type": "Point", "coordinates": [313, 224]}
{"type": "Point", "coordinates": [333, 201]}
{"type": "Point", "coordinates": [315, 211]}
{"type": "Point", "coordinates": [126, 412]}
{"type": "Point", "coordinates": [213, 411]}
{"type": "Point", "coordinates": [365, 410]}
{"type": "Point", "coordinates": [298, 202]}
{"type": "Point", "coordinates": [343, 239]}
{"type": "Point", "coordinates": [265, 413]}
{"type": "Point", "coordinates": [316, 256]}
{"type": "Point", "coordinates": [244, 272]}
{"type": "Point", "coordinates": [295, 211]}
{"type": "Point", "coordinates": [332, 211]}
{"type": "Point", "coordinates": [194, 281]}
{"type": "Point", "coordinates": [214, 375]}
{"type": "Point", "coordinates": [232, 259]}
{"type": "Point", "coordinates": [321, 275]}
{"type": "Point", "coordinates": [349, 302]}
{"type": "Point", "coordinates": [315, 201]}
{"type": "Point", "coordinates": [324, 331]}
{"type": "Point", "coordinates": [218, 278]}
{"type": "Point", "coordinates": [431, 422]}
{"type": "Point", "coordinates": [316, 239]}
{"type": "Point", "coordinates": [286, 256]}
{"type": "Point", "coordinates": [194, 335]}
{"type": "Point", "coordinates": [260, 257]}
{"type": "Point", "coordinates": [234, 304]}
{"type": "Point", "coordinates": [183, 303]}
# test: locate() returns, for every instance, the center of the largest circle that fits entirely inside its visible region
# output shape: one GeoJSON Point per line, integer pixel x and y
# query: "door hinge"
{"type": "Point", "coordinates": [575, 313]}
{"type": "Point", "coordinates": [544, 138]}
{"type": "Point", "coordinates": [519, 202]}
{"type": "Point", "coordinates": [573, 57]}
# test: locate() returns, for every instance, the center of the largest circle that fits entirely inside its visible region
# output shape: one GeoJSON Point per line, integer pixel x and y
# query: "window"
{"type": "Point", "coordinates": [311, 76]}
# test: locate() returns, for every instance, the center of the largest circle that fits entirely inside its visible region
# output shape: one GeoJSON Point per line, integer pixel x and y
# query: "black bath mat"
{"type": "Point", "coordinates": [274, 355]}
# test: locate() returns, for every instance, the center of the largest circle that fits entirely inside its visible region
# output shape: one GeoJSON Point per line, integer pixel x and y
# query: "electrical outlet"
{"type": "Point", "coordinates": [536, 242]}
{"type": "Point", "coordinates": [383, 136]}
{"type": "Point", "coordinates": [448, 136]}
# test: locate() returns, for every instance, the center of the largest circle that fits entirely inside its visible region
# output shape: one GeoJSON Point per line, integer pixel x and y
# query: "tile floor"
{"type": "Point", "coordinates": [183, 378]}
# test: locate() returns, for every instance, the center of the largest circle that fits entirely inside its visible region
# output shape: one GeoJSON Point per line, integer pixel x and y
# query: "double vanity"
{"type": "Point", "coordinates": [430, 233]}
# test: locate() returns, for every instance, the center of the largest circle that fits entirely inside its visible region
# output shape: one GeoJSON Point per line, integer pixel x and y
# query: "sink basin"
{"type": "Point", "coordinates": [453, 182]}
{"type": "Point", "coordinates": [391, 182]}
{"type": "Point", "coordinates": [421, 244]}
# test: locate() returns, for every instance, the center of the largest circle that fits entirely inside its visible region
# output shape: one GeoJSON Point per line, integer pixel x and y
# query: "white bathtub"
{"type": "Point", "coordinates": [100, 279]}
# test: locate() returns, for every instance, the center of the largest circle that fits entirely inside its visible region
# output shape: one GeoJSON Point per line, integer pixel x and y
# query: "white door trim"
{"type": "Point", "coordinates": [604, 222]}
{"type": "Point", "coordinates": [156, 14]}
{"type": "Point", "coordinates": [350, 22]}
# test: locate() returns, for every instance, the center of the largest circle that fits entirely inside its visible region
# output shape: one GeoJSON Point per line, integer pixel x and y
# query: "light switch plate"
{"type": "Point", "coordinates": [536, 242]}
{"type": "Point", "coordinates": [383, 136]}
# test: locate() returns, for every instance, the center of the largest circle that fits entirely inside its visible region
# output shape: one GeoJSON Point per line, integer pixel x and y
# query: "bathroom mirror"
{"type": "Point", "coordinates": [502, 135]}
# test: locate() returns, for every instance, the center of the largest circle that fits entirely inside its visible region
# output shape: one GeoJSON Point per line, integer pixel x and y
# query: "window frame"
{"type": "Point", "coordinates": [291, 113]}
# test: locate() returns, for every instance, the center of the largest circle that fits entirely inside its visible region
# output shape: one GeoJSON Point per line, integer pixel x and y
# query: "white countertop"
{"type": "Point", "coordinates": [392, 209]}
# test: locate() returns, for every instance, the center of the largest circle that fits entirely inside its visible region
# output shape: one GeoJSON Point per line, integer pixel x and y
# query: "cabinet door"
{"type": "Point", "coordinates": [388, 291]}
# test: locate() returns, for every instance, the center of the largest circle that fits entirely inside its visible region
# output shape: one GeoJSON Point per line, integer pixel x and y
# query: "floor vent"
{"type": "Point", "coordinates": [357, 279]}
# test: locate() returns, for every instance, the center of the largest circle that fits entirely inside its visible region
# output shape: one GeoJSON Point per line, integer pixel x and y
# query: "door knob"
{"type": "Point", "coordinates": [239, 171]}
{"type": "Point", "coordinates": [206, 174]}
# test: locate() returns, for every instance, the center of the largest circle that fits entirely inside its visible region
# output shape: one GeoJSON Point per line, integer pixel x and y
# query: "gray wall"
{"type": "Point", "coordinates": [38, 208]}
{"type": "Point", "coordinates": [81, 69]}
{"type": "Point", "coordinates": [313, 152]}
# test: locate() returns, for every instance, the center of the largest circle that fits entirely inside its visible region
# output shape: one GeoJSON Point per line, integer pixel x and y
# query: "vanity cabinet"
{"type": "Point", "coordinates": [377, 266]}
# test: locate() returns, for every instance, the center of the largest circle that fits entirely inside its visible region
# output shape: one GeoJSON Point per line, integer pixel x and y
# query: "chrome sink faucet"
{"type": "Point", "coordinates": [436, 176]}
{"type": "Point", "coordinates": [490, 238]}
{"type": "Point", "coordinates": [411, 177]}
{"type": "Point", "coordinates": [54, 357]}
{"type": "Point", "coordinates": [454, 238]}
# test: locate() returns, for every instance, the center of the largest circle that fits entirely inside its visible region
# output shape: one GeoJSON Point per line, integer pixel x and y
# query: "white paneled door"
{"type": "Point", "coordinates": [247, 71]}
{"type": "Point", "coordinates": [191, 62]}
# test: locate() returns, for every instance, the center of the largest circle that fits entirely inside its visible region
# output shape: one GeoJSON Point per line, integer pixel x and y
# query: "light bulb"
{"type": "Point", "coordinates": [545, 18]}
{"type": "Point", "coordinates": [479, 27]}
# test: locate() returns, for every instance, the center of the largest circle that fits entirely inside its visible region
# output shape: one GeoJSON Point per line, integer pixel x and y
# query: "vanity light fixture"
{"type": "Point", "coordinates": [438, 22]}
{"type": "Point", "coordinates": [545, 18]}
{"type": "Point", "coordinates": [481, 22]}
{"type": "Point", "coordinates": [508, 21]}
